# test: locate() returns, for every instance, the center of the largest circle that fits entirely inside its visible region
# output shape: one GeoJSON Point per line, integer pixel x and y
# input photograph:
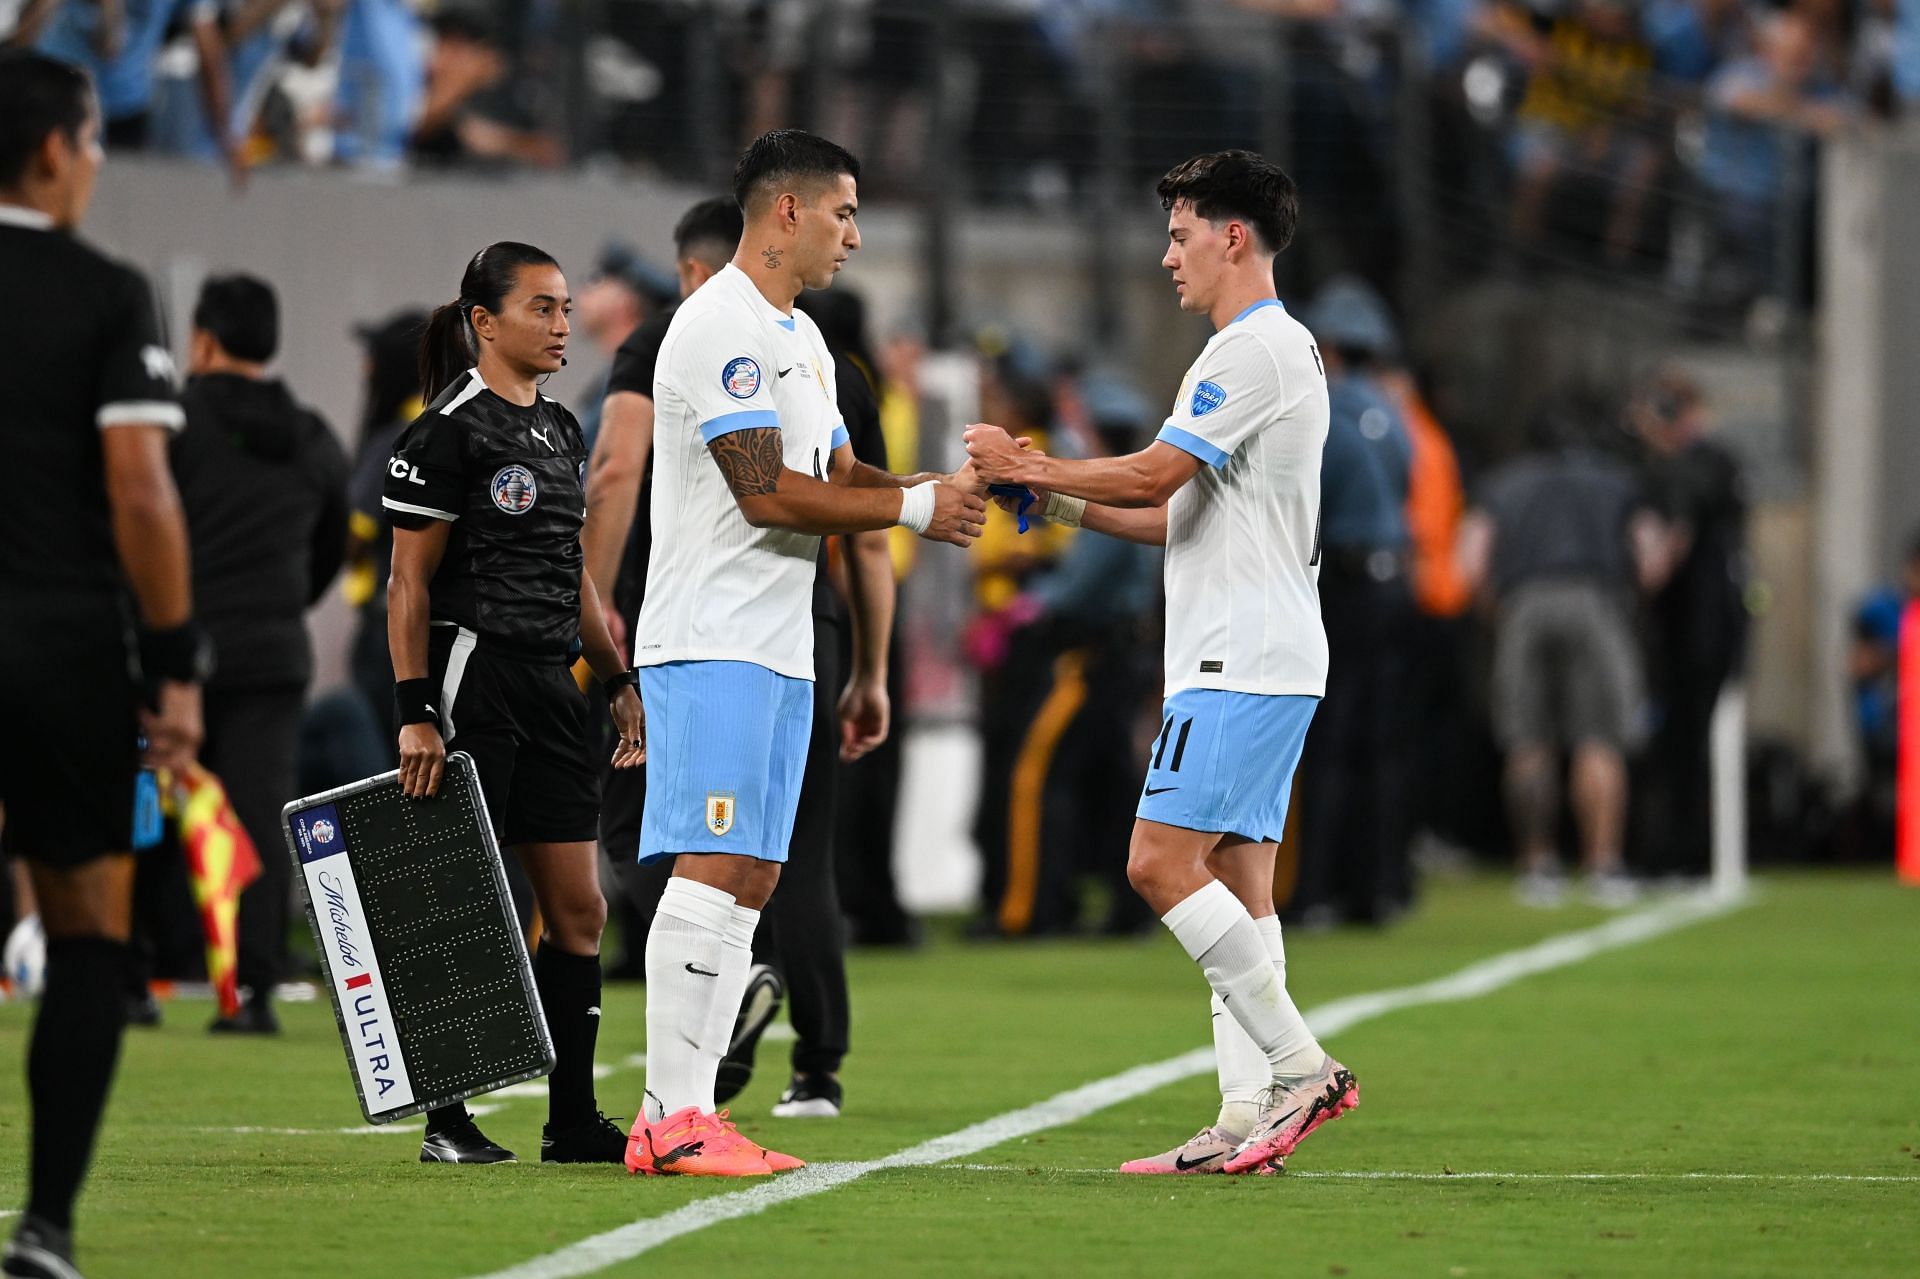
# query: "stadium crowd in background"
{"type": "Point", "coordinates": [1668, 136]}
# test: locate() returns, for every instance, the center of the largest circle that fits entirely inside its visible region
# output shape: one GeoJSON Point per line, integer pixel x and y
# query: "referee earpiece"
{"type": "Point", "coordinates": [563, 361]}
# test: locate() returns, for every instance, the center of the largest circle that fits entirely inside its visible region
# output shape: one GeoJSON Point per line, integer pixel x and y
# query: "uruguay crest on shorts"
{"type": "Point", "coordinates": [720, 806]}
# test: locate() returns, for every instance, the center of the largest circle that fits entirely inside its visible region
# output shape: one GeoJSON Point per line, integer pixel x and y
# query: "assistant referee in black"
{"type": "Point", "coordinates": [97, 641]}
{"type": "Point", "coordinates": [488, 606]}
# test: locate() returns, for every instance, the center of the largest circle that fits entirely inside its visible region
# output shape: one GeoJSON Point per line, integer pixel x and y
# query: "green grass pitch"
{"type": "Point", "coordinates": [1774, 1051]}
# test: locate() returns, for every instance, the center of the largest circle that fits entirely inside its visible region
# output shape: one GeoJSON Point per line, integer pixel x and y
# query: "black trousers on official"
{"type": "Point", "coordinates": [253, 745]}
{"type": "Point", "coordinates": [867, 806]}
{"type": "Point", "coordinates": [1354, 829]}
{"type": "Point", "coordinates": [802, 933]}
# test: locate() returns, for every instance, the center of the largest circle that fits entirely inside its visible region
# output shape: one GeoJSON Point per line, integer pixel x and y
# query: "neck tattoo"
{"type": "Point", "coordinates": [772, 258]}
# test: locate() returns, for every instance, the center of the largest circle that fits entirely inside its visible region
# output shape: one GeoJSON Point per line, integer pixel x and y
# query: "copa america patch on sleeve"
{"type": "Point", "coordinates": [741, 377]}
{"type": "Point", "coordinates": [419, 945]}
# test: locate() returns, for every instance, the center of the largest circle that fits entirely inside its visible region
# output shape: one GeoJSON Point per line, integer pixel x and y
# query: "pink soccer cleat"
{"type": "Point", "coordinates": [1293, 1111]}
{"type": "Point", "coordinates": [1205, 1151]}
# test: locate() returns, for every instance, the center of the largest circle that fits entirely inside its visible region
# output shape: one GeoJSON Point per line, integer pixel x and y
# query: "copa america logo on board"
{"type": "Point", "coordinates": [514, 490]}
{"type": "Point", "coordinates": [323, 831]}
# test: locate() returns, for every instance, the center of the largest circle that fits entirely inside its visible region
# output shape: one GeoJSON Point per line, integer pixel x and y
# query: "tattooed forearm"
{"type": "Point", "coordinates": [772, 257]}
{"type": "Point", "coordinates": [751, 460]}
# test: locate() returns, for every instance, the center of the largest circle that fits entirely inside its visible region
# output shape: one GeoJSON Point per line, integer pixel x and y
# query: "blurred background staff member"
{"type": "Point", "coordinates": [624, 291]}
{"type": "Point", "coordinates": [1560, 540]}
{"type": "Point", "coordinates": [488, 606]}
{"type": "Point", "coordinates": [1082, 622]}
{"type": "Point", "coordinates": [1353, 826]}
{"type": "Point", "coordinates": [389, 401]}
{"type": "Point", "coordinates": [1698, 617]}
{"type": "Point", "coordinates": [619, 535]}
{"type": "Point", "coordinates": [91, 403]}
{"type": "Point", "coordinates": [263, 482]}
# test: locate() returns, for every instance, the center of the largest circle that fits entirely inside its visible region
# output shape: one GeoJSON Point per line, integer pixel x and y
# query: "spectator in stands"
{"type": "Point", "coordinates": [263, 482]}
{"type": "Point", "coordinates": [118, 43]}
{"type": "Point", "coordinates": [1353, 823]}
{"type": "Point", "coordinates": [470, 114]}
{"type": "Point", "coordinates": [260, 37]}
{"type": "Point", "coordinates": [1559, 541]}
{"type": "Point", "coordinates": [382, 81]}
{"type": "Point", "coordinates": [1588, 110]}
{"type": "Point", "coordinates": [1762, 112]}
{"type": "Point", "coordinates": [1691, 38]}
{"type": "Point", "coordinates": [1697, 621]}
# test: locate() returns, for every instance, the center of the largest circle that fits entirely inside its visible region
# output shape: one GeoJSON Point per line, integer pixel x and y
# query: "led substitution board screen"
{"type": "Point", "coordinates": [418, 942]}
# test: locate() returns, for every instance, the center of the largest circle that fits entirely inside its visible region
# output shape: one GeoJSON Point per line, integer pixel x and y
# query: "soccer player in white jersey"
{"type": "Point", "coordinates": [1231, 487]}
{"type": "Point", "coordinates": [751, 467]}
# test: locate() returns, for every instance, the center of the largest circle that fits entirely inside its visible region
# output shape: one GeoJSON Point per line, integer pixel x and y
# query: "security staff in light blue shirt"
{"type": "Point", "coordinates": [1352, 776]}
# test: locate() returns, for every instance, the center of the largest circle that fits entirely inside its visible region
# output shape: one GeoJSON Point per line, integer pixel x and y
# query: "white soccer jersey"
{"type": "Point", "coordinates": [1243, 553]}
{"type": "Point", "coordinates": [719, 589]}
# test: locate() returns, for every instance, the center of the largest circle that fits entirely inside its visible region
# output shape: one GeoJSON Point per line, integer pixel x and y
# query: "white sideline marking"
{"type": "Point", "coordinates": [627, 1242]}
{"type": "Point", "coordinates": [1326, 1175]}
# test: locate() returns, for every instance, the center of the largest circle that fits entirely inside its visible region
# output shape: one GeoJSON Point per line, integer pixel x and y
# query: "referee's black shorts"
{"type": "Point", "coordinates": [525, 722]}
{"type": "Point", "coordinates": [69, 731]}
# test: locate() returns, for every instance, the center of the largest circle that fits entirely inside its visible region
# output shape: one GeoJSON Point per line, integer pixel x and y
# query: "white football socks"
{"type": "Point", "coordinates": [686, 957]}
{"type": "Point", "coordinates": [736, 963]}
{"type": "Point", "coordinates": [1242, 1067]}
{"type": "Point", "coordinates": [1219, 935]}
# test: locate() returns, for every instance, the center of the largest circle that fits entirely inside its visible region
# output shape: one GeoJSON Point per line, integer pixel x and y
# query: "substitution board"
{"type": "Point", "coordinates": [418, 942]}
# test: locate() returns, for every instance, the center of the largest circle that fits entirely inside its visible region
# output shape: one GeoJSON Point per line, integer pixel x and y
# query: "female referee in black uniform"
{"type": "Point", "coordinates": [488, 605]}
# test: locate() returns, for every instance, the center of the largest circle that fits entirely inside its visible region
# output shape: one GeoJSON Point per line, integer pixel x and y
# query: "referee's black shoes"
{"type": "Point", "coordinates": [597, 1141]}
{"type": "Point", "coordinates": [758, 1007]}
{"type": "Point", "coordinates": [463, 1143]}
{"type": "Point", "coordinates": [39, 1251]}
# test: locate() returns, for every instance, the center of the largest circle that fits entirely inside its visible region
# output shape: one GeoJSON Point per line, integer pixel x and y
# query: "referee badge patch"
{"type": "Point", "coordinates": [720, 806]}
{"type": "Point", "coordinates": [740, 378]}
{"type": "Point", "coordinates": [1207, 397]}
{"type": "Point", "coordinates": [514, 490]}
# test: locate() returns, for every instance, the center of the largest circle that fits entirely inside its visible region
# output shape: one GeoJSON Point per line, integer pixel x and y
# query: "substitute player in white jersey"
{"type": "Point", "coordinates": [1231, 487]}
{"type": "Point", "coordinates": [751, 467]}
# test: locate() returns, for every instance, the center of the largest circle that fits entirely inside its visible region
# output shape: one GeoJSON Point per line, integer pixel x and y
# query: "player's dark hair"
{"type": "Point", "coordinates": [38, 95]}
{"type": "Point", "coordinates": [447, 348]}
{"type": "Point", "coordinates": [785, 158]}
{"type": "Point", "coordinates": [715, 222]}
{"type": "Point", "coordinates": [1236, 184]}
{"type": "Point", "coordinates": [243, 315]}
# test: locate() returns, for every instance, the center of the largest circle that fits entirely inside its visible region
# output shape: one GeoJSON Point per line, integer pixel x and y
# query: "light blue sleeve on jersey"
{"type": "Point", "coordinates": [840, 435]}
{"type": "Point", "coordinates": [739, 420]}
{"type": "Point", "coordinates": [1188, 442]}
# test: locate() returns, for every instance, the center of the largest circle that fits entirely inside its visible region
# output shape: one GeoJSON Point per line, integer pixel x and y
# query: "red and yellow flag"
{"type": "Point", "coordinates": [221, 861]}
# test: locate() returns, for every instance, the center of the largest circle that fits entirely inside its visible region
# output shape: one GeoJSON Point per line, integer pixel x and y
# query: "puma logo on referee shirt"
{"type": "Point", "coordinates": [543, 439]}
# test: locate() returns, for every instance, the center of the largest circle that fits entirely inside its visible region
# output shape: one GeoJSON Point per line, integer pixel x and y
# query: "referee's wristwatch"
{"type": "Point", "coordinates": [183, 654]}
{"type": "Point", "coordinates": [625, 679]}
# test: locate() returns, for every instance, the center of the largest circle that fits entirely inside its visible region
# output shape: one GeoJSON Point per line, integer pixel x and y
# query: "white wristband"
{"type": "Point", "coordinates": [916, 506]}
{"type": "Point", "coordinates": [1061, 509]}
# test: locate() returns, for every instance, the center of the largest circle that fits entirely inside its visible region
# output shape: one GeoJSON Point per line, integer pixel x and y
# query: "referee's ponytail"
{"type": "Point", "coordinates": [447, 348]}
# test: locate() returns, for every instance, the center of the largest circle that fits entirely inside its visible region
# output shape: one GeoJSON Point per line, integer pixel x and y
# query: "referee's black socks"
{"type": "Point", "coordinates": [570, 993]}
{"type": "Point", "coordinates": [76, 1044]}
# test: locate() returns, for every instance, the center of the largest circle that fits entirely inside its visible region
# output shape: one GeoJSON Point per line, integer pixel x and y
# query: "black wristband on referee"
{"type": "Point", "coordinates": [625, 679]}
{"type": "Point", "coordinates": [183, 654]}
{"type": "Point", "coordinates": [413, 701]}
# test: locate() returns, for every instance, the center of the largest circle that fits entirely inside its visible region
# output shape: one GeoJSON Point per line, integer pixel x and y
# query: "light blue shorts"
{"type": "Point", "coordinates": [726, 749]}
{"type": "Point", "coordinates": [1225, 762]}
